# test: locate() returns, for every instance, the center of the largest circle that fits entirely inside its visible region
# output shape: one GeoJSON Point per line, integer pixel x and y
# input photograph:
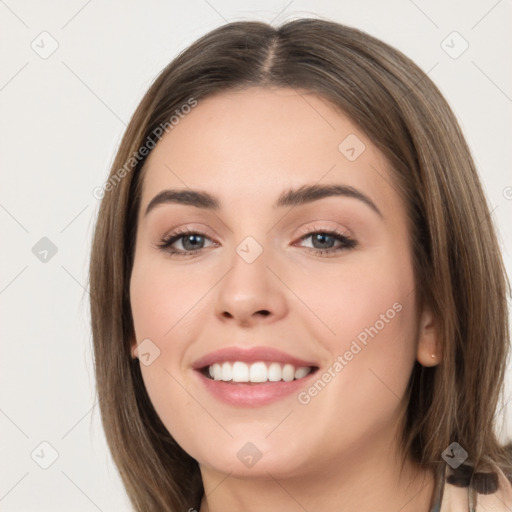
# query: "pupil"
{"type": "Point", "coordinates": [321, 237]}
{"type": "Point", "coordinates": [195, 243]}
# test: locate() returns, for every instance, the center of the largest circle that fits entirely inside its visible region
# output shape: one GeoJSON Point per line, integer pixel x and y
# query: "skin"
{"type": "Point", "coordinates": [247, 148]}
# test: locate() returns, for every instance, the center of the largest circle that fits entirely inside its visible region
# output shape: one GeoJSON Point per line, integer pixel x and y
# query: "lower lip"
{"type": "Point", "coordinates": [243, 394]}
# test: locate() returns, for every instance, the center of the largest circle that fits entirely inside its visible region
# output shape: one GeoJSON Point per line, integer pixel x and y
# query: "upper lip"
{"type": "Point", "coordinates": [249, 355]}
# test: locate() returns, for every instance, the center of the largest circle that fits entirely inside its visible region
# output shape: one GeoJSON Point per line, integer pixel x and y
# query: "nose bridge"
{"type": "Point", "coordinates": [250, 290]}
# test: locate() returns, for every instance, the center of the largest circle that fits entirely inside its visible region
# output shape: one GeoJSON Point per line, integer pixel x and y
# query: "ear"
{"type": "Point", "coordinates": [429, 349]}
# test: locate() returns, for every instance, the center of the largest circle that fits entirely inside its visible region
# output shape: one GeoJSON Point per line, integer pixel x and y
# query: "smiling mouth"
{"type": "Point", "coordinates": [255, 373]}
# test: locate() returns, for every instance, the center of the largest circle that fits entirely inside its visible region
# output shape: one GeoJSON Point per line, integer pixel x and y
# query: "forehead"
{"type": "Point", "coordinates": [254, 143]}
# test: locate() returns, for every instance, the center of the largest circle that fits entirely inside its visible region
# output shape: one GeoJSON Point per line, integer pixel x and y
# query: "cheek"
{"type": "Point", "coordinates": [379, 309]}
{"type": "Point", "coordinates": [165, 304]}
{"type": "Point", "coordinates": [368, 296]}
{"type": "Point", "coordinates": [164, 300]}
{"type": "Point", "coordinates": [368, 325]}
{"type": "Point", "coordinates": [372, 315]}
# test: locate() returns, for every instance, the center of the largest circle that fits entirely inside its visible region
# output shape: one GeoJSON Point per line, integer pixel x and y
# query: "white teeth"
{"type": "Point", "coordinates": [288, 372]}
{"type": "Point", "coordinates": [239, 371]}
{"type": "Point", "coordinates": [217, 371]}
{"type": "Point", "coordinates": [258, 372]}
{"type": "Point", "coordinates": [274, 372]}
{"type": "Point", "coordinates": [301, 372]}
{"type": "Point", "coordinates": [227, 374]}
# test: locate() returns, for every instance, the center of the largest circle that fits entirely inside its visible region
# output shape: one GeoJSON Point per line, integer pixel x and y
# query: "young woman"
{"type": "Point", "coordinates": [298, 300]}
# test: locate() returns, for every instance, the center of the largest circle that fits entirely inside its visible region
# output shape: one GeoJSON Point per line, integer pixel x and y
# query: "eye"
{"type": "Point", "coordinates": [323, 242]}
{"type": "Point", "coordinates": [191, 241]}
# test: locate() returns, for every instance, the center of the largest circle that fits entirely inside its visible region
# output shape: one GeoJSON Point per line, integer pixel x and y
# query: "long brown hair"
{"type": "Point", "coordinates": [457, 262]}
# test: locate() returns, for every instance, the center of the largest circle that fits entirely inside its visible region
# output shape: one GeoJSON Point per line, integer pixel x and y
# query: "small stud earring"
{"type": "Point", "coordinates": [434, 356]}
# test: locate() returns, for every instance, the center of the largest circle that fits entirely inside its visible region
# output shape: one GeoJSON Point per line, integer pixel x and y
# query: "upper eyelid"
{"type": "Point", "coordinates": [303, 231]}
{"type": "Point", "coordinates": [314, 226]}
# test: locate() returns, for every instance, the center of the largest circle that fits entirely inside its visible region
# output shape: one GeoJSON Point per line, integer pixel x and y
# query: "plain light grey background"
{"type": "Point", "coordinates": [72, 74]}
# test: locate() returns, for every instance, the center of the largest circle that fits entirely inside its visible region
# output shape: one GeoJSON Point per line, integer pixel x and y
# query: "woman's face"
{"type": "Point", "coordinates": [298, 271]}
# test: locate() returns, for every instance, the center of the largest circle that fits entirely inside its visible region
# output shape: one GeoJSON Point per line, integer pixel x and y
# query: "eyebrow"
{"type": "Point", "coordinates": [303, 195]}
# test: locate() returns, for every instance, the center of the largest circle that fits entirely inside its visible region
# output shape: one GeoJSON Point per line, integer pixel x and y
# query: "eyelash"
{"type": "Point", "coordinates": [166, 242]}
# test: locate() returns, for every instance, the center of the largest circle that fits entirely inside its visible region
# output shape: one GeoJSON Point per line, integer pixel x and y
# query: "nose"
{"type": "Point", "coordinates": [250, 293]}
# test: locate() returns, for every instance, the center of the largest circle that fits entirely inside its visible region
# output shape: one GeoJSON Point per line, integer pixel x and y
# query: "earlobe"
{"type": "Point", "coordinates": [429, 349]}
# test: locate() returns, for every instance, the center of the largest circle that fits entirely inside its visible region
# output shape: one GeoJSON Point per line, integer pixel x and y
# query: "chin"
{"type": "Point", "coordinates": [257, 458]}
